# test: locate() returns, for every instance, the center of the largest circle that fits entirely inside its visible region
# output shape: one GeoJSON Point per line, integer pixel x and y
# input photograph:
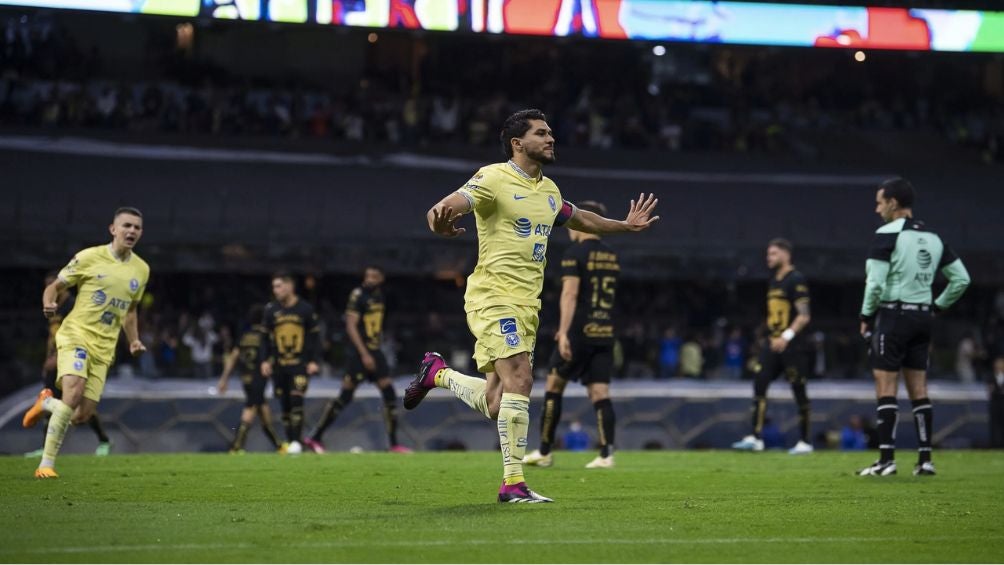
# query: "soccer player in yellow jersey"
{"type": "Point", "coordinates": [110, 281]}
{"type": "Point", "coordinates": [515, 207]}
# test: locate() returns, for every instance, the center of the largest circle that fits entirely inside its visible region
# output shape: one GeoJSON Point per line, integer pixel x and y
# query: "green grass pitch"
{"type": "Point", "coordinates": [440, 507]}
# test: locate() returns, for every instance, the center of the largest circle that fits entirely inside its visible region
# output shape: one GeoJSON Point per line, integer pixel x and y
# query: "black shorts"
{"type": "Point", "coordinates": [354, 367]}
{"type": "Point", "coordinates": [901, 339]}
{"type": "Point", "coordinates": [591, 363]}
{"type": "Point", "coordinates": [254, 390]}
{"type": "Point", "coordinates": [289, 380]}
{"type": "Point", "coordinates": [794, 363]}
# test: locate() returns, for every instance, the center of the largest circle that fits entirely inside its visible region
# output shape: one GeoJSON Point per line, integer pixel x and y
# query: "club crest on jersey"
{"type": "Point", "coordinates": [80, 353]}
{"type": "Point", "coordinates": [99, 297]}
{"type": "Point", "coordinates": [512, 340]}
{"type": "Point", "coordinates": [523, 227]}
{"type": "Point", "coordinates": [78, 365]}
{"type": "Point", "coordinates": [554, 205]}
{"type": "Point", "coordinates": [133, 285]}
{"type": "Point", "coordinates": [538, 252]}
{"type": "Point", "coordinates": [507, 325]}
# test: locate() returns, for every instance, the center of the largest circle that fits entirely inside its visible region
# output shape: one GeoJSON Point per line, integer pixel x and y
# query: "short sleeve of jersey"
{"type": "Point", "coordinates": [355, 302]}
{"type": "Point", "coordinates": [76, 269]}
{"type": "Point", "coordinates": [478, 191]}
{"type": "Point", "coordinates": [565, 213]}
{"type": "Point", "coordinates": [798, 292]}
{"type": "Point", "coordinates": [571, 262]}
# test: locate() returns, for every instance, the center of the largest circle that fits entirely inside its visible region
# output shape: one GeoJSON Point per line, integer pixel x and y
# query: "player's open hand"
{"type": "Point", "coordinates": [444, 222]}
{"type": "Point", "coordinates": [640, 214]}
{"type": "Point", "coordinates": [369, 363]}
{"type": "Point", "coordinates": [49, 310]}
{"type": "Point", "coordinates": [313, 368]}
{"type": "Point", "coordinates": [136, 348]}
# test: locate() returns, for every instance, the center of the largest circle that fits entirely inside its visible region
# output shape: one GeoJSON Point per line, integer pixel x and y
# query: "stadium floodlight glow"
{"type": "Point", "coordinates": [659, 50]}
{"type": "Point", "coordinates": [701, 21]}
{"type": "Point", "coordinates": [860, 56]}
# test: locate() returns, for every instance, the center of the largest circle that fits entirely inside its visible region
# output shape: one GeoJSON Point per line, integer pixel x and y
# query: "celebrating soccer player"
{"type": "Point", "coordinates": [585, 339]}
{"type": "Point", "coordinates": [111, 280]}
{"type": "Point", "coordinates": [784, 350]}
{"type": "Point", "coordinates": [364, 316]}
{"type": "Point", "coordinates": [515, 208]}
{"type": "Point", "coordinates": [897, 315]}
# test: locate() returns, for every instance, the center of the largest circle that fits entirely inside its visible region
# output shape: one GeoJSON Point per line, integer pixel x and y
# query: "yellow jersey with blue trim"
{"type": "Point", "coordinates": [515, 214]}
{"type": "Point", "coordinates": [106, 288]}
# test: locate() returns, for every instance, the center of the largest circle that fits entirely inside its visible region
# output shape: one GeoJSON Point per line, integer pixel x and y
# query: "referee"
{"type": "Point", "coordinates": [897, 315]}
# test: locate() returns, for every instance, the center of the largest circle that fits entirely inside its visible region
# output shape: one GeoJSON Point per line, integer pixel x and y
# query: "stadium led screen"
{"type": "Point", "coordinates": [657, 20]}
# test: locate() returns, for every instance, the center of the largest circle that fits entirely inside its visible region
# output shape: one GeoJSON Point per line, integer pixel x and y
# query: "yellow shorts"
{"type": "Point", "coordinates": [76, 360]}
{"type": "Point", "coordinates": [501, 332]}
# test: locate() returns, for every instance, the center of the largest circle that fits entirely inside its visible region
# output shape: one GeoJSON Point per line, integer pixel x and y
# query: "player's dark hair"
{"type": "Point", "coordinates": [593, 206]}
{"type": "Point", "coordinates": [901, 190]}
{"type": "Point", "coordinates": [284, 275]}
{"type": "Point", "coordinates": [516, 126]}
{"type": "Point", "coordinates": [127, 210]}
{"type": "Point", "coordinates": [375, 267]}
{"type": "Point", "coordinates": [255, 313]}
{"type": "Point", "coordinates": [781, 243]}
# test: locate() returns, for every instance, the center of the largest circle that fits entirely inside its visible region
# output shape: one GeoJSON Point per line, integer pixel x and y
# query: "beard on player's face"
{"type": "Point", "coordinates": [542, 156]}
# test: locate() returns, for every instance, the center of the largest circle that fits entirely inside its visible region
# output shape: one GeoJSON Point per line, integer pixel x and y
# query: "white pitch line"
{"type": "Point", "coordinates": [440, 543]}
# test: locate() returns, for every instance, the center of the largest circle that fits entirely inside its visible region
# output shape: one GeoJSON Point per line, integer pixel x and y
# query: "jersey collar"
{"type": "Point", "coordinates": [111, 251]}
{"type": "Point", "coordinates": [523, 173]}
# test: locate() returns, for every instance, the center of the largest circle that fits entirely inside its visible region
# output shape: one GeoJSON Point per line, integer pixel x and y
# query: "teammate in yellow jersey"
{"type": "Point", "coordinates": [515, 208]}
{"type": "Point", "coordinates": [110, 281]}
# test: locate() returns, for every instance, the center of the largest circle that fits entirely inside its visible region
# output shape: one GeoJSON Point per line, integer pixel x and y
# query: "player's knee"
{"type": "Point", "coordinates": [596, 394]}
{"type": "Point", "coordinates": [82, 414]}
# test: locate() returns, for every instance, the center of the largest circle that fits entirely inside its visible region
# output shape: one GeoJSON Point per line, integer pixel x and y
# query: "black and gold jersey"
{"type": "Point", "coordinates": [250, 348]}
{"type": "Point", "coordinates": [598, 270]}
{"type": "Point", "coordinates": [369, 305]}
{"type": "Point", "coordinates": [783, 296]}
{"type": "Point", "coordinates": [293, 333]}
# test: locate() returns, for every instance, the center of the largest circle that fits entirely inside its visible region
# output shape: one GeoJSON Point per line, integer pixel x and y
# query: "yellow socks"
{"type": "Point", "coordinates": [470, 390]}
{"type": "Point", "coordinates": [58, 424]}
{"type": "Point", "coordinates": [513, 423]}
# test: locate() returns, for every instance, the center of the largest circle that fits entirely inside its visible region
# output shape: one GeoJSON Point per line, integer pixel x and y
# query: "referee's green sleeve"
{"type": "Point", "coordinates": [958, 281]}
{"type": "Point", "coordinates": [877, 271]}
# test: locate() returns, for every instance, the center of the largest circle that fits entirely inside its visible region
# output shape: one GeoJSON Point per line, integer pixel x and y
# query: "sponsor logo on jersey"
{"type": "Point", "coordinates": [924, 259]}
{"type": "Point", "coordinates": [80, 353]}
{"type": "Point", "coordinates": [522, 227]}
{"type": "Point", "coordinates": [538, 252]}
{"type": "Point", "coordinates": [99, 297]}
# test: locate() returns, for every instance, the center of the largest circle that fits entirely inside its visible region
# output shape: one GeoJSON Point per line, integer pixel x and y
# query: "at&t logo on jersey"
{"type": "Point", "coordinates": [99, 297]}
{"type": "Point", "coordinates": [523, 227]}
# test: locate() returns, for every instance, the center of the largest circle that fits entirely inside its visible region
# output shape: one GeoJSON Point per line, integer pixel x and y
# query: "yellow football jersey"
{"type": "Point", "coordinates": [106, 288]}
{"type": "Point", "coordinates": [515, 215]}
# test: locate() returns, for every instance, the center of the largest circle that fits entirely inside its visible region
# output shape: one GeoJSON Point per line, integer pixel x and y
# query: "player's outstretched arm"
{"type": "Point", "coordinates": [639, 218]}
{"type": "Point", "coordinates": [443, 216]}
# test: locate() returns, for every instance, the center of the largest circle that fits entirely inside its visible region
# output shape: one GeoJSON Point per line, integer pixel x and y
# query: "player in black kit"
{"type": "Point", "coordinates": [364, 317]}
{"type": "Point", "coordinates": [291, 352]}
{"type": "Point", "coordinates": [585, 339]}
{"type": "Point", "coordinates": [246, 358]}
{"type": "Point", "coordinates": [784, 350]}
